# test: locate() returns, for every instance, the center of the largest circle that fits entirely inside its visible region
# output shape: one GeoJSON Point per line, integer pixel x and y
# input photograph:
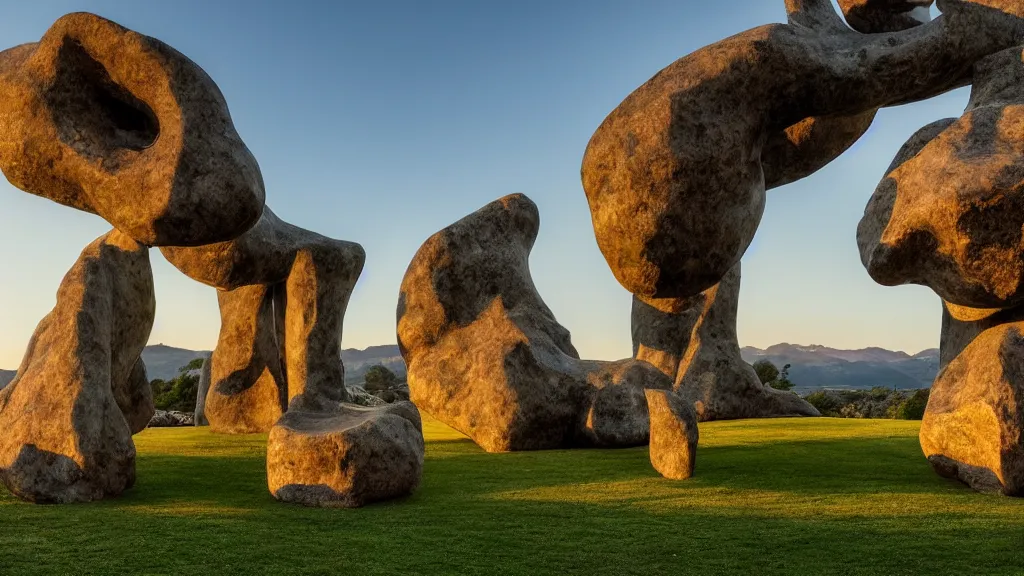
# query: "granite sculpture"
{"type": "Point", "coordinates": [486, 355]}
{"type": "Point", "coordinates": [949, 215]}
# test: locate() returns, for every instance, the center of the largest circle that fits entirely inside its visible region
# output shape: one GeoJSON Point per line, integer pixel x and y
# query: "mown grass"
{"type": "Point", "coordinates": [817, 496]}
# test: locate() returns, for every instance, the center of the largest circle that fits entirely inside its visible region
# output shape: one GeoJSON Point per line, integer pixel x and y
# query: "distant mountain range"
{"type": "Point", "coordinates": [811, 367]}
{"type": "Point", "coordinates": [815, 367]}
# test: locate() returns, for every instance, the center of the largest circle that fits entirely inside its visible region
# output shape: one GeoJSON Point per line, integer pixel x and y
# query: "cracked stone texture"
{"type": "Point", "coordinates": [674, 434]}
{"type": "Point", "coordinates": [486, 356]}
{"type": "Point", "coordinates": [693, 340]}
{"type": "Point", "coordinates": [65, 437]}
{"type": "Point", "coordinates": [346, 456]}
{"type": "Point", "coordinates": [950, 210]}
{"type": "Point", "coordinates": [283, 292]}
{"type": "Point", "coordinates": [106, 120]}
{"type": "Point", "coordinates": [877, 16]}
{"type": "Point", "coordinates": [972, 428]}
{"type": "Point", "coordinates": [676, 175]}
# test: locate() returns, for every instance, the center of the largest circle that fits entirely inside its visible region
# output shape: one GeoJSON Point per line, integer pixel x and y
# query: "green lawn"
{"type": "Point", "coordinates": [816, 496]}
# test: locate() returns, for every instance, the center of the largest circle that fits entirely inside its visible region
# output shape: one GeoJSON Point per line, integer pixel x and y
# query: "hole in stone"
{"type": "Point", "coordinates": [94, 115]}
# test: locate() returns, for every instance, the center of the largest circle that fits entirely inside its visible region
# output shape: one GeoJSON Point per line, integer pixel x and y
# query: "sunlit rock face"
{"type": "Point", "coordinates": [674, 434]}
{"type": "Point", "coordinates": [693, 341]}
{"type": "Point", "coordinates": [676, 175]}
{"type": "Point", "coordinates": [973, 428]}
{"type": "Point", "coordinates": [486, 356]}
{"type": "Point", "coordinates": [106, 120]}
{"type": "Point", "coordinates": [68, 416]}
{"type": "Point", "coordinates": [950, 210]}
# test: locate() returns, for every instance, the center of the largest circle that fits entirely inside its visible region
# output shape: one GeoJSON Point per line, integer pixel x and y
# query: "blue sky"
{"type": "Point", "coordinates": [382, 122]}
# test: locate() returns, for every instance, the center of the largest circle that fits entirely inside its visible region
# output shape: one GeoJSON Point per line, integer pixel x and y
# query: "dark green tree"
{"type": "Point", "coordinates": [782, 381]}
{"type": "Point", "coordinates": [379, 378]}
{"type": "Point", "coordinates": [180, 392]}
{"type": "Point", "coordinates": [913, 408]}
{"type": "Point", "coordinates": [766, 371]}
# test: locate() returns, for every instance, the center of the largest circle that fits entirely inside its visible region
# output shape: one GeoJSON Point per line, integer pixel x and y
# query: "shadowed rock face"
{"type": "Point", "coordinates": [674, 434]}
{"type": "Point", "coordinates": [973, 428]}
{"type": "Point", "coordinates": [676, 175]}
{"type": "Point", "coordinates": [103, 119]}
{"type": "Point", "coordinates": [877, 16]}
{"type": "Point", "coordinates": [486, 356]}
{"type": "Point", "coordinates": [693, 340]}
{"type": "Point", "coordinates": [283, 295]}
{"type": "Point", "coordinates": [345, 457]}
{"type": "Point", "coordinates": [950, 210]}
{"type": "Point", "coordinates": [66, 416]}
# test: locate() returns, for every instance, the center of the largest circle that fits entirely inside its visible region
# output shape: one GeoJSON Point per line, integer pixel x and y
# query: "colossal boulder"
{"type": "Point", "coordinates": [693, 340]}
{"type": "Point", "coordinates": [674, 434]}
{"type": "Point", "coordinates": [66, 416]}
{"type": "Point", "coordinates": [106, 120]}
{"type": "Point", "coordinates": [283, 294]}
{"type": "Point", "coordinates": [346, 456]}
{"type": "Point", "coordinates": [973, 428]}
{"type": "Point", "coordinates": [486, 356]}
{"type": "Point", "coordinates": [950, 210]}
{"type": "Point", "coordinates": [676, 175]}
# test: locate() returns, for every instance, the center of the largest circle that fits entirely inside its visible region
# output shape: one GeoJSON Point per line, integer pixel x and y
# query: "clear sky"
{"type": "Point", "coordinates": [382, 122]}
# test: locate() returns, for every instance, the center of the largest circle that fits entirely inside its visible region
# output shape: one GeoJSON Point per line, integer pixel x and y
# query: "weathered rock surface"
{"type": "Point", "coordinates": [693, 340]}
{"type": "Point", "coordinates": [950, 210]}
{"type": "Point", "coordinates": [876, 16]}
{"type": "Point", "coordinates": [973, 428]}
{"type": "Point", "coordinates": [676, 175]}
{"type": "Point", "coordinates": [65, 438]}
{"type": "Point", "coordinates": [674, 434]}
{"type": "Point", "coordinates": [283, 295]}
{"type": "Point", "coordinates": [486, 356]}
{"type": "Point", "coordinates": [347, 456]}
{"type": "Point", "coordinates": [106, 120]}
{"type": "Point", "coordinates": [248, 392]}
{"type": "Point", "coordinates": [172, 418]}
{"type": "Point", "coordinates": [134, 396]}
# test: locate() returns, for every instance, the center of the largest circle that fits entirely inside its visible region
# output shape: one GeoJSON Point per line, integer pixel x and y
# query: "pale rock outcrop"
{"type": "Point", "coordinates": [693, 341]}
{"type": "Point", "coordinates": [347, 456]}
{"type": "Point", "coordinates": [106, 120]}
{"type": "Point", "coordinates": [674, 434]}
{"type": "Point", "coordinates": [676, 175]}
{"type": "Point", "coordinates": [486, 356]}
{"type": "Point", "coordinates": [65, 438]}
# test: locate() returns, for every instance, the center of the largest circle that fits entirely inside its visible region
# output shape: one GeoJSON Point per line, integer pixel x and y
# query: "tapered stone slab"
{"type": "Point", "coordinates": [674, 434]}
{"type": "Point", "coordinates": [65, 437]}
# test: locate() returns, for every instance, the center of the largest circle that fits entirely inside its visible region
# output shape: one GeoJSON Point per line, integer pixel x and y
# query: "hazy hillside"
{"type": "Point", "coordinates": [824, 367]}
{"type": "Point", "coordinates": [5, 377]}
{"type": "Point", "coordinates": [812, 366]}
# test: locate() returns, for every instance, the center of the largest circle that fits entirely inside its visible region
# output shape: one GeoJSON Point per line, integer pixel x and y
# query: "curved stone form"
{"type": "Point", "coordinates": [973, 428]}
{"type": "Point", "coordinates": [345, 457]}
{"type": "Point", "coordinates": [66, 416]}
{"type": "Point", "coordinates": [135, 398]}
{"type": "Point", "coordinates": [676, 175]}
{"type": "Point", "coordinates": [283, 292]}
{"type": "Point", "coordinates": [950, 210]}
{"type": "Point", "coordinates": [486, 356]}
{"type": "Point", "coordinates": [693, 340]}
{"type": "Point", "coordinates": [106, 120]}
{"type": "Point", "coordinates": [674, 434]}
{"type": "Point", "coordinates": [199, 416]}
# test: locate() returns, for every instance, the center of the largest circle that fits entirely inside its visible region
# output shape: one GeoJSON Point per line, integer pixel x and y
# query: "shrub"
{"type": "Point", "coordinates": [913, 408]}
{"type": "Point", "coordinates": [379, 378]}
{"type": "Point", "coordinates": [766, 371]}
{"type": "Point", "coordinates": [180, 392]}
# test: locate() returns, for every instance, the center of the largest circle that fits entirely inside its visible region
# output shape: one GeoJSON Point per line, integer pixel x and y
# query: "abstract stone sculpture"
{"type": "Point", "coordinates": [693, 341]}
{"type": "Point", "coordinates": [66, 416]}
{"type": "Point", "coordinates": [949, 215]}
{"type": "Point", "coordinates": [109, 121]}
{"type": "Point", "coordinates": [674, 434]}
{"type": "Point", "coordinates": [345, 457]}
{"type": "Point", "coordinates": [486, 356]}
{"type": "Point", "coordinates": [199, 416]}
{"type": "Point", "coordinates": [283, 293]}
{"type": "Point", "coordinates": [676, 175]}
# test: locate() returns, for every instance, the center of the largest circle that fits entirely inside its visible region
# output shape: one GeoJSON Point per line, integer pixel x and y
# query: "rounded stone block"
{"type": "Point", "coordinates": [345, 458]}
{"type": "Point", "coordinates": [674, 434]}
